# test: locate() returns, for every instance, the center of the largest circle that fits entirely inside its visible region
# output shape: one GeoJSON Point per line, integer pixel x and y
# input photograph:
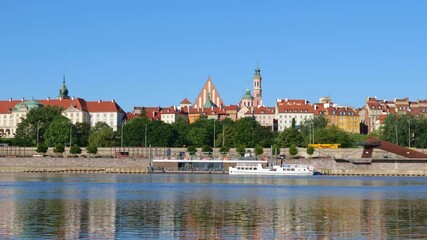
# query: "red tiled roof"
{"type": "Point", "coordinates": [264, 110]}
{"type": "Point", "coordinates": [297, 108]}
{"type": "Point", "coordinates": [185, 101]}
{"type": "Point", "coordinates": [231, 108]}
{"type": "Point", "coordinates": [294, 101]}
{"type": "Point", "coordinates": [103, 106]}
{"type": "Point", "coordinates": [7, 105]}
{"type": "Point", "coordinates": [346, 111]}
{"type": "Point", "coordinates": [130, 115]}
{"type": "Point", "coordinates": [66, 103]}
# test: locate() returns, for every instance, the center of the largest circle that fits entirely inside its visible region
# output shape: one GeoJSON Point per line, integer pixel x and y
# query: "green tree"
{"type": "Point", "coordinates": [312, 125]}
{"type": "Point", "coordinates": [259, 150]}
{"type": "Point", "coordinates": [243, 132]}
{"type": "Point", "coordinates": [58, 131]}
{"type": "Point", "coordinates": [75, 149]}
{"type": "Point", "coordinates": [224, 150]}
{"type": "Point", "coordinates": [160, 134]}
{"type": "Point", "coordinates": [333, 134]}
{"type": "Point", "coordinates": [240, 150]}
{"type": "Point", "coordinates": [102, 135]}
{"type": "Point", "coordinates": [191, 150]}
{"type": "Point", "coordinates": [134, 132]}
{"type": "Point", "coordinates": [263, 136]}
{"type": "Point", "coordinates": [42, 148]}
{"type": "Point", "coordinates": [310, 150]}
{"type": "Point", "coordinates": [92, 149]}
{"type": "Point", "coordinates": [59, 148]}
{"type": "Point", "coordinates": [293, 125]}
{"type": "Point", "coordinates": [225, 133]}
{"type": "Point", "coordinates": [181, 129]}
{"type": "Point", "coordinates": [289, 137]}
{"type": "Point", "coordinates": [37, 118]}
{"type": "Point", "coordinates": [207, 149]}
{"type": "Point", "coordinates": [293, 150]}
{"type": "Point", "coordinates": [81, 134]}
{"type": "Point", "coordinates": [198, 136]}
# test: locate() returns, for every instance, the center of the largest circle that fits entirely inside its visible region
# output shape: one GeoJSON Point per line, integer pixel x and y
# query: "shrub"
{"type": "Point", "coordinates": [240, 150]}
{"type": "Point", "coordinates": [92, 149]}
{"type": "Point", "coordinates": [191, 150]}
{"type": "Point", "coordinates": [310, 150]}
{"type": "Point", "coordinates": [75, 149]}
{"type": "Point", "coordinates": [258, 150]}
{"type": "Point", "coordinates": [293, 150]}
{"type": "Point", "coordinates": [224, 150]}
{"type": "Point", "coordinates": [59, 148]}
{"type": "Point", "coordinates": [207, 149]}
{"type": "Point", "coordinates": [42, 148]}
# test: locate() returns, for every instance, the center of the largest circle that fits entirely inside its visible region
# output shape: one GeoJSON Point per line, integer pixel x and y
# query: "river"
{"type": "Point", "coordinates": [163, 206]}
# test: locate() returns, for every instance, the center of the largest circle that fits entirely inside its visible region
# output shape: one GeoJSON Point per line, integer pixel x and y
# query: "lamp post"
{"type": "Point", "coordinates": [71, 128]}
{"type": "Point", "coordinates": [409, 133]}
{"type": "Point", "coordinates": [397, 139]}
{"type": "Point", "coordinates": [123, 124]}
{"type": "Point", "coordinates": [38, 132]}
{"type": "Point", "coordinates": [214, 135]}
{"type": "Point", "coordinates": [145, 138]}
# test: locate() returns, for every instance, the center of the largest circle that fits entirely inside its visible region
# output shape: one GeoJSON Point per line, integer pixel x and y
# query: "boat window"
{"type": "Point", "coordinates": [293, 169]}
{"type": "Point", "coordinates": [254, 168]}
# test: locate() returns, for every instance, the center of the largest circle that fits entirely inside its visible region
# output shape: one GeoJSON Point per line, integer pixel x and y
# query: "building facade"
{"type": "Point", "coordinates": [76, 109]}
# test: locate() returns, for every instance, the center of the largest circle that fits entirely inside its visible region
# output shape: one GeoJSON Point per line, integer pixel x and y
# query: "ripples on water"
{"type": "Point", "coordinates": [211, 206]}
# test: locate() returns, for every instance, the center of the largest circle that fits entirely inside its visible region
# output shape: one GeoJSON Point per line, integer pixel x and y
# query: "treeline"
{"type": "Point", "coordinates": [49, 127]}
{"type": "Point", "coordinates": [405, 130]}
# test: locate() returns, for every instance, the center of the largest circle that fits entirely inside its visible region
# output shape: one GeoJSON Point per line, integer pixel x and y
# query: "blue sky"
{"type": "Point", "coordinates": [155, 53]}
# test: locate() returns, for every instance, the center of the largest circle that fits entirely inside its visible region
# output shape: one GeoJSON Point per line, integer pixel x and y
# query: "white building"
{"type": "Point", "coordinates": [287, 109]}
{"type": "Point", "coordinates": [75, 109]}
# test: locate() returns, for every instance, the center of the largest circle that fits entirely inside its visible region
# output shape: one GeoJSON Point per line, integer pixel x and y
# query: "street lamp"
{"type": "Point", "coordinates": [71, 128]}
{"type": "Point", "coordinates": [409, 133]}
{"type": "Point", "coordinates": [214, 135]}
{"type": "Point", "coordinates": [38, 131]}
{"type": "Point", "coordinates": [397, 139]}
{"type": "Point", "coordinates": [123, 123]}
{"type": "Point", "coordinates": [145, 138]}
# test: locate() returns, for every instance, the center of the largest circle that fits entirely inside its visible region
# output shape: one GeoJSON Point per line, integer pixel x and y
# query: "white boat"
{"type": "Point", "coordinates": [279, 170]}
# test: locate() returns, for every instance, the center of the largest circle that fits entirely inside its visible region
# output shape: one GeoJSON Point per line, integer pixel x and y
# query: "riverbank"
{"type": "Point", "coordinates": [327, 166]}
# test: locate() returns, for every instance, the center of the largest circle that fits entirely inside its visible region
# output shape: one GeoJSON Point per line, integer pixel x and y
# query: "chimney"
{"type": "Point", "coordinates": [10, 99]}
{"type": "Point", "coordinates": [48, 98]}
{"type": "Point", "coordinates": [22, 99]}
{"type": "Point", "coordinates": [113, 101]}
{"type": "Point", "coordinates": [99, 101]}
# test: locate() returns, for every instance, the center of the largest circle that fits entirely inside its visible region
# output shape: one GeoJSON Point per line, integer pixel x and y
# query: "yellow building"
{"type": "Point", "coordinates": [345, 118]}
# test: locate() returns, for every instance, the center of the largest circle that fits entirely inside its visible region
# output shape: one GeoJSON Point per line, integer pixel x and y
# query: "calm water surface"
{"type": "Point", "coordinates": [211, 207]}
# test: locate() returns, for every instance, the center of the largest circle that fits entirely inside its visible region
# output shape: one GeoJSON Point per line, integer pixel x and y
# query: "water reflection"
{"type": "Point", "coordinates": [210, 206]}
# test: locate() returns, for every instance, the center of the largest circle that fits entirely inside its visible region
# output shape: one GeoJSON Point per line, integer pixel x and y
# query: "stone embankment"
{"type": "Point", "coordinates": [74, 165]}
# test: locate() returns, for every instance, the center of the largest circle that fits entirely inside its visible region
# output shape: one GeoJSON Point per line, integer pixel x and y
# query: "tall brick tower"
{"type": "Point", "coordinates": [257, 88]}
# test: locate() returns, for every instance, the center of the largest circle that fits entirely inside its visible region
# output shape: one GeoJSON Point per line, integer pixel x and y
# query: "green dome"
{"type": "Point", "coordinates": [247, 94]}
{"type": "Point", "coordinates": [30, 104]}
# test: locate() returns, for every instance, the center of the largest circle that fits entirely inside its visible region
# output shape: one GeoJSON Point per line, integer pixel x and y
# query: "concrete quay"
{"type": "Point", "coordinates": [73, 165]}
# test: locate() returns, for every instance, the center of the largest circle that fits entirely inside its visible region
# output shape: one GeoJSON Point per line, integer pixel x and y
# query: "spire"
{"type": "Point", "coordinates": [257, 72]}
{"type": "Point", "coordinates": [63, 91]}
{"type": "Point", "coordinates": [209, 103]}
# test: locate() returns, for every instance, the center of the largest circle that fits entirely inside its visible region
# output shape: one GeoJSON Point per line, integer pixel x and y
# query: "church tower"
{"type": "Point", "coordinates": [257, 88]}
{"type": "Point", "coordinates": [63, 91]}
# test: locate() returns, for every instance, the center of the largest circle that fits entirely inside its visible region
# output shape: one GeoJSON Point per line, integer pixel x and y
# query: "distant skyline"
{"type": "Point", "coordinates": [156, 53]}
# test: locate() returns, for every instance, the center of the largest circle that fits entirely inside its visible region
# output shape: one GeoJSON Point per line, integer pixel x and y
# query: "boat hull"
{"type": "Point", "coordinates": [274, 171]}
